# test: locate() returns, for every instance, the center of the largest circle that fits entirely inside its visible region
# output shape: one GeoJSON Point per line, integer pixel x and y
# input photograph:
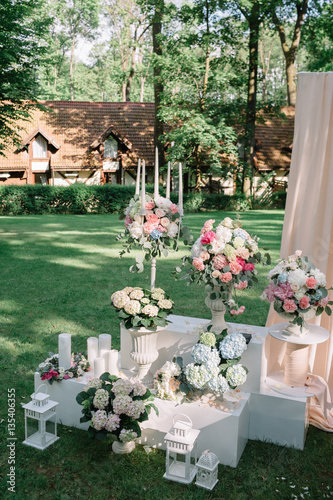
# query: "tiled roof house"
{"type": "Point", "coordinates": [98, 142]}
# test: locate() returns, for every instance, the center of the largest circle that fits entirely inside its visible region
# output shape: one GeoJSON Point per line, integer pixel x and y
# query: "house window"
{"type": "Point", "coordinates": [110, 148]}
{"type": "Point", "coordinates": [39, 147]}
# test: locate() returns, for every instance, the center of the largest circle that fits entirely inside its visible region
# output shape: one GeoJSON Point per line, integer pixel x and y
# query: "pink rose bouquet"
{"type": "Point", "coordinates": [224, 259]}
{"type": "Point", "coordinates": [51, 371]}
{"type": "Point", "coordinates": [154, 232]}
{"type": "Point", "coordinates": [297, 289]}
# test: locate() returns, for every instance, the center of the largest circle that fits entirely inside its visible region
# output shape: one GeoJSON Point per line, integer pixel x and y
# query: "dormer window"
{"type": "Point", "coordinates": [110, 148]}
{"type": "Point", "coordinates": [39, 147]}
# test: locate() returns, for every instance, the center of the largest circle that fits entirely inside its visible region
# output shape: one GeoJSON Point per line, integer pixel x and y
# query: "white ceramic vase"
{"type": "Point", "coordinates": [218, 310]}
{"type": "Point", "coordinates": [121, 448]}
{"type": "Point", "coordinates": [296, 330]}
{"type": "Point", "coordinates": [144, 352]}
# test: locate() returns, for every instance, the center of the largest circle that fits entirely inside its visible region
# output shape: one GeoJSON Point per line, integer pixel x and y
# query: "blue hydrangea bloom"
{"type": "Point", "coordinates": [240, 233]}
{"type": "Point", "coordinates": [318, 295]}
{"type": "Point", "coordinates": [232, 346]}
{"type": "Point", "coordinates": [218, 385]}
{"type": "Point", "coordinates": [283, 278]}
{"type": "Point", "coordinates": [205, 355]}
{"type": "Point", "coordinates": [155, 234]}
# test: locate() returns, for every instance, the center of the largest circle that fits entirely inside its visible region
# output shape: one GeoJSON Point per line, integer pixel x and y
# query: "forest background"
{"type": "Point", "coordinates": [212, 67]}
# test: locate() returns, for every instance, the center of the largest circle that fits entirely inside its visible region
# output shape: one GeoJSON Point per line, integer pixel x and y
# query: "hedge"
{"type": "Point", "coordinates": [109, 198]}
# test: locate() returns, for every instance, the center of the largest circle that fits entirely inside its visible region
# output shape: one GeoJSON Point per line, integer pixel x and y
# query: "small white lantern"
{"type": "Point", "coordinates": [180, 444]}
{"type": "Point", "coordinates": [40, 420]}
{"type": "Point", "coordinates": [207, 469]}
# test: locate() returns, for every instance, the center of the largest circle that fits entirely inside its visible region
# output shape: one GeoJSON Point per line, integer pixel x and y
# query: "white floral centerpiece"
{"type": "Point", "coordinates": [153, 229]}
{"type": "Point", "coordinates": [138, 307]}
{"type": "Point", "coordinates": [216, 368]}
{"type": "Point", "coordinates": [115, 406]}
{"type": "Point", "coordinates": [297, 289]}
{"type": "Point", "coordinates": [224, 259]}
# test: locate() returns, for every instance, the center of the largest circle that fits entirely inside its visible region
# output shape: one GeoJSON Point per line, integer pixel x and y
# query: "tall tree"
{"type": "Point", "coordinates": [159, 8]}
{"type": "Point", "coordinates": [21, 47]}
{"type": "Point", "coordinates": [281, 12]}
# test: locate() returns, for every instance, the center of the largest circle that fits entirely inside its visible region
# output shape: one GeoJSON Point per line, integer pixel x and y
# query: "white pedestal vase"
{"type": "Point", "coordinates": [121, 448]}
{"type": "Point", "coordinates": [144, 352]}
{"type": "Point", "coordinates": [295, 330]}
{"type": "Point", "coordinates": [218, 310]}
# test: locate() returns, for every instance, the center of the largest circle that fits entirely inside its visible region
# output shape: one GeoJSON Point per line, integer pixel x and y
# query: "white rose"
{"type": "Point", "coordinates": [172, 230]}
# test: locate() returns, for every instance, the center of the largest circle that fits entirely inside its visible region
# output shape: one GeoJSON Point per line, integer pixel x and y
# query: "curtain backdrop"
{"type": "Point", "coordinates": [308, 222]}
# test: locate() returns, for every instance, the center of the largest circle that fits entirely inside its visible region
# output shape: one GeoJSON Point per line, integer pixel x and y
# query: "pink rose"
{"type": "Point", "coordinates": [153, 219]}
{"type": "Point", "coordinates": [128, 220]}
{"type": "Point", "coordinates": [162, 229]}
{"type": "Point", "coordinates": [311, 282]}
{"type": "Point", "coordinates": [249, 266]}
{"type": "Point", "coordinates": [323, 302]}
{"type": "Point", "coordinates": [208, 226]}
{"type": "Point", "coordinates": [160, 213]}
{"type": "Point", "coordinates": [219, 261]}
{"type": "Point", "coordinates": [148, 227]}
{"type": "Point", "coordinates": [235, 312]}
{"type": "Point", "coordinates": [241, 309]}
{"type": "Point", "coordinates": [241, 285]}
{"type": "Point", "coordinates": [198, 264]}
{"type": "Point", "coordinates": [216, 274]}
{"type": "Point", "coordinates": [304, 302]}
{"type": "Point", "coordinates": [226, 277]}
{"type": "Point", "coordinates": [204, 256]}
{"type": "Point", "coordinates": [150, 205]}
{"type": "Point", "coordinates": [165, 222]}
{"type": "Point", "coordinates": [243, 253]}
{"type": "Point", "coordinates": [208, 237]}
{"type": "Point", "coordinates": [66, 376]}
{"type": "Point", "coordinates": [241, 261]}
{"type": "Point", "coordinates": [235, 267]}
{"type": "Point", "coordinates": [174, 208]}
{"type": "Point", "coordinates": [289, 306]}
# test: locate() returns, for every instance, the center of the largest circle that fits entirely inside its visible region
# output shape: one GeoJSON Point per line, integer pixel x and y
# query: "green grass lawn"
{"type": "Point", "coordinates": [57, 275]}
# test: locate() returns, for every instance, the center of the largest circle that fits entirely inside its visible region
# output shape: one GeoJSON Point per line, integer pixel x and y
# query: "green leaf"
{"type": "Point", "coordinates": [82, 396]}
{"type": "Point", "coordinates": [328, 311]}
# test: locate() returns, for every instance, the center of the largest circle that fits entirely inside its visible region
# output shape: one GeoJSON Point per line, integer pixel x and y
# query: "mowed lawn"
{"type": "Point", "coordinates": [57, 275]}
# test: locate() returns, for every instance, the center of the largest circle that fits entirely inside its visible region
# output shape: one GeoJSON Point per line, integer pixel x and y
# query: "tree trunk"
{"type": "Point", "coordinates": [290, 53]}
{"type": "Point", "coordinates": [158, 85]}
{"type": "Point", "coordinates": [71, 68]}
{"type": "Point", "coordinates": [250, 125]}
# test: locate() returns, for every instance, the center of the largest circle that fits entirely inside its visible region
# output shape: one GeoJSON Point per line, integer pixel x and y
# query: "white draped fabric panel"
{"type": "Point", "coordinates": [308, 222]}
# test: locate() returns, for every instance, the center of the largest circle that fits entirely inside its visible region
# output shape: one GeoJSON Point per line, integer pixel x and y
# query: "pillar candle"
{"type": "Point", "coordinates": [156, 175]}
{"type": "Point", "coordinates": [99, 367]}
{"type": "Point", "coordinates": [92, 348]}
{"type": "Point", "coordinates": [137, 187]}
{"type": "Point", "coordinates": [65, 354]}
{"type": "Point", "coordinates": [104, 342]}
{"type": "Point", "coordinates": [143, 189]}
{"type": "Point", "coordinates": [113, 362]}
{"type": "Point", "coordinates": [180, 198]}
{"type": "Point", "coordinates": [168, 182]}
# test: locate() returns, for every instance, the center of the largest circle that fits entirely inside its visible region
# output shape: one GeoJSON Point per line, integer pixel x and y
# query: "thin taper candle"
{"type": "Point", "coordinates": [168, 181]}
{"type": "Point", "coordinates": [143, 189]}
{"type": "Point", "coordinates": [156, 175]}
{"type": "Point", "coordinates": [137, 187]}
{"type": "Point", "coordinates": [180, 198]}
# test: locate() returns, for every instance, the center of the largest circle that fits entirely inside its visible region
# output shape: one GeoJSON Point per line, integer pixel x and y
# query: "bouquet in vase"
{"type": "Point", "coordinates": [154, 228]}
{"type": "Point", "coordinates": [138, 307]}
{"type": "Point", "coordinates": [224, 259]}
{"type": "Point", "coordinates": [297, 289]}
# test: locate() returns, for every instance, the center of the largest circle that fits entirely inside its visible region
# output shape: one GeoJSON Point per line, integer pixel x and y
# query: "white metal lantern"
{"type": "Point", "coordinates": [180, 446]}
{"type": "Point", "coordinates": [40, 420]}
{"type": "Point", "coordinates": [207, 469]}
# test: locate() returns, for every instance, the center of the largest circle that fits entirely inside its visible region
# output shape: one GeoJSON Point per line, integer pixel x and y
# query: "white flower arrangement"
{"type": "Point", "coordinates": [115, 406]}
{"type": "Point", "coordinates": [297, 289]}
{"type": "Point", "coordinates": [224, 259]}
{"type": "Point", "coordinates": [154, 232]}
{"type": "Point", "coordinates": [149, 310]}
{"type": "Point", "coordinates": [216, 368]}
{"type": "Point", "coordinates": [51, 371]}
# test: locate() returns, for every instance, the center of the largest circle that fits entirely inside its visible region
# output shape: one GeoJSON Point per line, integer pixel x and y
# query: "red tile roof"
{"type": "Point", "coordinates": [75, 126]}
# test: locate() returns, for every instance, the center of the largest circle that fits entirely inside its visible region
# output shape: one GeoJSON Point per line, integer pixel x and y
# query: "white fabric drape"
{"type": "Point", "coordinates": [308, 222]}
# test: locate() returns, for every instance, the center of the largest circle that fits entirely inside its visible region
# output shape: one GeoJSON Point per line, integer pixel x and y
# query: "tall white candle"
{"type": "Point", "coordinates": [156, 179]}
{"type": "Point", "coordinates": [137, 187]}
{"type": "Point", "coordinates": [113, 362]}
{"type": "Point", "coordinates": [104, 342]}
{"type": "Point", "coordinates": [65, 354]}
{"type": "Point", "coordinates": [143, 189]}
{"type": "Point", "coordinates": [92, 348]}
{"type": "Point", "coordinates": [180, 198]}
{"type": "Point", "coordinates": [99, 367]}
{"type": "Point", "coordinates": [168, 182]}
